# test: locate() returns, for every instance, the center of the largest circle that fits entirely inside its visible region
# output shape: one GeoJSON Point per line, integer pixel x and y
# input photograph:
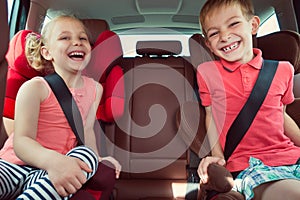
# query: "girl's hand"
{"type": "Point", "coordinates": [66, 174]}
{"type": "Point", "coordinates": [117, 165]}
{"type": "Point", "coordinates": [202, 168]}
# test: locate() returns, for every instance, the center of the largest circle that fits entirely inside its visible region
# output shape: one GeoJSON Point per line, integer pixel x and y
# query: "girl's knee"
{"type": "Point", "coordinates": [87, 155]}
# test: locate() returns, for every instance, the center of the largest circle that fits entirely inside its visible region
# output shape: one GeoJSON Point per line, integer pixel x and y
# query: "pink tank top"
{"type": "Point", "coordinates": [53, 130]}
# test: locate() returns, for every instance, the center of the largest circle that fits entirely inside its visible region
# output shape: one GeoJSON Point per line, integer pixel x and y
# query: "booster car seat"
{"type": "Point", "coordinates": [19, 71]}
{"type": "Point", "coordinates": [104, 67]}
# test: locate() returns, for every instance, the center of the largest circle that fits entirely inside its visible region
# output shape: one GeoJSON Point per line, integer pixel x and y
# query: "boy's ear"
{"type": "Point", "coordinates": [207, 43]}
{"type": "Point", "coordinates": [45, 53]}
{"type": "Point", "coordinates": [255, 24]}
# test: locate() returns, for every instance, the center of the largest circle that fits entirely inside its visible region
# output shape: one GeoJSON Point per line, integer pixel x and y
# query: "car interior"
{"type": "Point", "coordinates": [151, 117]}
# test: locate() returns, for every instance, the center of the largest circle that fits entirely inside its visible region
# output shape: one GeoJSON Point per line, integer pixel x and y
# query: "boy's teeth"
{"type": "Point", "coordinates": [233, 46]}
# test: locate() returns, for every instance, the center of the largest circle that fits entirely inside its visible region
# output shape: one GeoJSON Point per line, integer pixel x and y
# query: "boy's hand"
{"type": "Point", "coordinates": [66, 174]}
{"type": "Point", "coordinates": [116, 164]}
{"type": "Point", "coordinates": [202, 168]}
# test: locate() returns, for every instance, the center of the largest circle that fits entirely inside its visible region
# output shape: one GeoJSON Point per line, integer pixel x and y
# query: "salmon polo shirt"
{"type": "Point", "coordinates": [54, 131]}
{"type": "Point", "coordinates": [226, 87]}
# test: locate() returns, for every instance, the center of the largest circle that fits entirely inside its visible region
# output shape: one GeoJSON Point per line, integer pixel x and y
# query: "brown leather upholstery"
{"type": "Point", "coordinates": [198, 50]}
{"type": "Point", "coordinates": [285, 45]}
{"type": "Point", "coordinates": [282, 45]}
{"type": "Point", "coordinates": [152, 155]}
{"type": "Point", "coordinates": [95, 27]}
{"type": "Point", "coordinates": [158, 48]}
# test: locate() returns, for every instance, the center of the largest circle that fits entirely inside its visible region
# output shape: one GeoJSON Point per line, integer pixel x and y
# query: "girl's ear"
{"type": "Point", "coordinates": [45, 53]}
{"type": "Point", "coordinates": [255, 21]}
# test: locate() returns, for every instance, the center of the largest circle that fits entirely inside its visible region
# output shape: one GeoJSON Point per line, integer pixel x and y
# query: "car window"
{"type": "Point", "coordinates": [269, 26]}
{"type": "Point", "coordinates": [9, 7]}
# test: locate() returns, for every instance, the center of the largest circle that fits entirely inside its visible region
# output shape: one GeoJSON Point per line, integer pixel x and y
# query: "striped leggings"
{"type": "Point", "coordinates": [23, 182]}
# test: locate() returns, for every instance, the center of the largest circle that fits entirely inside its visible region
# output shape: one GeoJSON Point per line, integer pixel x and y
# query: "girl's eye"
{"type": "Point", "coordinates": [83, 38]}
{"type": "Point", "coordinates": [234, 24]}
{"type": "Point", "coordinates": [65, 38]}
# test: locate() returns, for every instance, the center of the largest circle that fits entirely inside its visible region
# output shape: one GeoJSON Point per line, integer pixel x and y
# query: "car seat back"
{"type": "Point", "coordinates": [4, 35]}
{"type": "Point", "coordinates": [145, 138]}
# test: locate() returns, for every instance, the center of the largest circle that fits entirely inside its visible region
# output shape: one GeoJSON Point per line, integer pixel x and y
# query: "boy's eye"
{"type": "Point", "coordinates": [212, 34]}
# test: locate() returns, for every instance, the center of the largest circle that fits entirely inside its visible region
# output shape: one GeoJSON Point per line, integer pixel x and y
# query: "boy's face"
{"type": "Point", "coordinates": [229, 33]}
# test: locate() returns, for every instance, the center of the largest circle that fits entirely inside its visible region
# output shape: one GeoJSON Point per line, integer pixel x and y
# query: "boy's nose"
{"type": "Point", "coordinates": [225, 36]}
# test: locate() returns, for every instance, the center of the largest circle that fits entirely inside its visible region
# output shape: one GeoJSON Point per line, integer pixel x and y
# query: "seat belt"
{"type": "Point", "coordinates": [246, 116]}
{"type": "Point", "coordinates": [68, 104]}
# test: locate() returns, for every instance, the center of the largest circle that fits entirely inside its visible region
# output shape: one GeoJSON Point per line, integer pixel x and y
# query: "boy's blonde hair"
{"type": "Point", "coordinates": [34, 42]}
{"type": "Point", "coordinates": [210, 5]}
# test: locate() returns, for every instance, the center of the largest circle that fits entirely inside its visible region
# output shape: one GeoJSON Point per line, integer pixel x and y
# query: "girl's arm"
{"type": "Point", "coordinates": [89, 133]}
{"type": "Point", "coordinates": [90, 139]}
{"type": "Point", "coordinates": [291, 129]}
{"type": "Point", "coordinates": [217, 155]}
{"type": "Point", "coordinates": [26, 120]}
{"type": "Point", "coordinates": [67, 179]}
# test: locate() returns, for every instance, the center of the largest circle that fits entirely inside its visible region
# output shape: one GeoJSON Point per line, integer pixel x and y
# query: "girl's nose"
{"type": "Point", "coordinates": [77, 42]}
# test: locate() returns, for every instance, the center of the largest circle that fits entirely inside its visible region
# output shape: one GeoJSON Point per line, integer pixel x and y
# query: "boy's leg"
{"type": "Point", "coordinates": [38, 185]}
{"type": "Point", "coordinates": [12, 178]}
{"type": "Point", "coordinates": [278, 190]}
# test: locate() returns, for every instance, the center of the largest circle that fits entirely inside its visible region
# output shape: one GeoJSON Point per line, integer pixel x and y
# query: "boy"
{"type": "Point", "coordinates": [265, 159]}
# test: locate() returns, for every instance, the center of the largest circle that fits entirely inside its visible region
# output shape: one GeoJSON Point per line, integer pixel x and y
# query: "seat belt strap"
{"type": "Point", "coordinates": [68, 104]}
{"type": "Point", "coordinates": [244, 119]}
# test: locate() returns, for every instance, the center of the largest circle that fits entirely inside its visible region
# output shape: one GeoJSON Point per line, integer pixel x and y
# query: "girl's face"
{"type": "Point", "coordinates": [68, 47]}
{"type": "Point", "coordinates": [229, 33]}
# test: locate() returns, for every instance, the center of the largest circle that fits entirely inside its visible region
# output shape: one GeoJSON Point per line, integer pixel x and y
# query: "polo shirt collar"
{"type": "Point", "coordinates": [256, 62]}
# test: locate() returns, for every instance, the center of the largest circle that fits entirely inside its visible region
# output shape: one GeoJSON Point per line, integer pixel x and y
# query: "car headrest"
{"type": "Point", "coordinates": [281, 45]}
{"type": "Point", "coordinates": [95, 27]}
{"type": "Point", "coordinates": [16, 58]}
{"type": "Point", "coordinates": [198, 50]}
{"type": "Point", "coordinates": [19, 71]}
{"type": "Point", "coordinates": [158, 48]}
{"type": "Point", "coordinates": [106, 53]}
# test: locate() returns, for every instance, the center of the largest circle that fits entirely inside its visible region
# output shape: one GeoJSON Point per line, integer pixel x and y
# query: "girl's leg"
{"type": "Point", "coordinates": [38, 185]}
{"type": "Point", "coordinates": [12, 178]}
{"type": "Point", "coordinates": [278, 190]}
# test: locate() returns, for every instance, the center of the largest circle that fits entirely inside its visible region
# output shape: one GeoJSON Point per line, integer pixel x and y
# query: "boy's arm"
{"type": "Point", "coordinates": [212, 134]}
{"type": "Point", "coordinates": [291, 129]}
{"type": "Point", "coordinates": [216, 151]}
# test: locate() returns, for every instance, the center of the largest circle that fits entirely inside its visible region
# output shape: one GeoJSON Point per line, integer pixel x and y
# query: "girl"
{"type": "Point", "coordinates": [58, 168]}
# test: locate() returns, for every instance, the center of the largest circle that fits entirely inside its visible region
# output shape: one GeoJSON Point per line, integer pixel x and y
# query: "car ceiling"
{"type": "Point", "coordinates": [121, 15]}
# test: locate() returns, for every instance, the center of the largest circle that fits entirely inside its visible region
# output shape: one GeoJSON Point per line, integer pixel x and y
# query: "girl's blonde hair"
{"type": "Point", "coordinates": [34, 42]}
{"type": "Point", "coordinates": [211, 5]}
